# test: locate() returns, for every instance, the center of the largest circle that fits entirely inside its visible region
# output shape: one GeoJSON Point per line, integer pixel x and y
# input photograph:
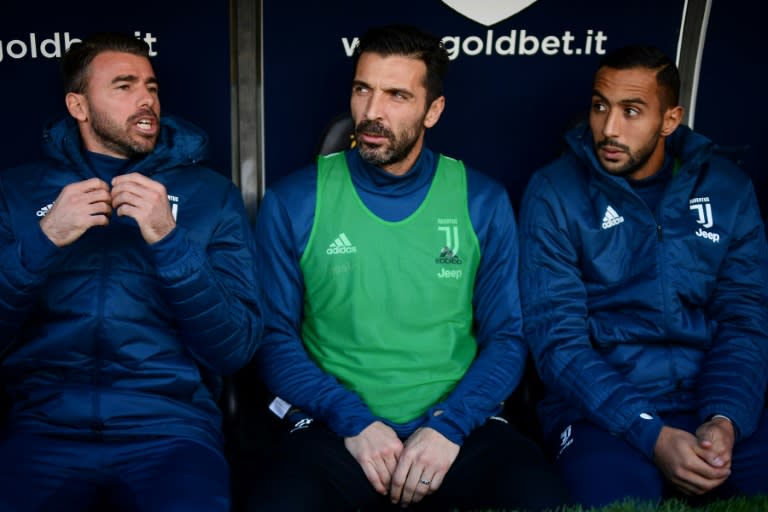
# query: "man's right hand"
{"type": "Point", "coordinates": [676, 456]}
{"type": "Point", "coordinates": [79, 207]}
{"type": "Point", "coordinates": [377, 449]}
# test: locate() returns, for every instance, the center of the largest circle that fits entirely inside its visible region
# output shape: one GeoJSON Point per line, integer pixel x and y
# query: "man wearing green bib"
{"type": "Point", "coordinates": [393, 329]}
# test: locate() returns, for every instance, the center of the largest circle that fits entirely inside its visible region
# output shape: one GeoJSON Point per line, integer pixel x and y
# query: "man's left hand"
{"type": "Point", "coordinates": [146, 201]}
{"type": "Point", "coordinates": [715, 439]}
{"type": "Point", "coordinates": [426, 458]}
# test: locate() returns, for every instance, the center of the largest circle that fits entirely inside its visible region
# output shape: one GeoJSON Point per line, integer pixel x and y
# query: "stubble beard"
{"type": "Point", "coordinates": [118, 138]}
{"type": "Point", "coordinates": [397, 149]}
{"type": "Point", "coordinates": [636, 160]}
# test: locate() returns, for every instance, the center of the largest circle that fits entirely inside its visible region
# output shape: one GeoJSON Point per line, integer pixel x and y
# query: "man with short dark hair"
{"type": "Point", "coordinates": [644, 299]}
{"type": "Point", "coordinates": [393, 325]}
{"type": "Point", "coordinates": [127, 289]}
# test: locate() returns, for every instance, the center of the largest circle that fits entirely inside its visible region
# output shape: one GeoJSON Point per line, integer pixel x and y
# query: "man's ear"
{"type": "Point", "coordinates": [434, 111]}
{"type": "Point", "coordinates": [77, 106]}
{"type": "Point", "coordinates": [672, 119]}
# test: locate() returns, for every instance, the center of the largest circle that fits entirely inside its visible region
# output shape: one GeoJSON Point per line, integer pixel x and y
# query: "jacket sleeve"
{"type": "Point", "coordinates": [24, 262]}
{"type": "Point", "coordinates": [555, 311]}
{"type": "Point", "coordinates": [733, 378]}
{"type": "Point", "coordinates": [501, 357]}
{"type": "Point", "coordinates": [212, 290]}
{"type": "Point", "coordinates": [283, 363]}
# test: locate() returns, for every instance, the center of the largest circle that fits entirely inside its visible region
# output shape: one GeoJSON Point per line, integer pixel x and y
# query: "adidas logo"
{"type": "Point", "coordinates": [448, 257]}
{"type": "Point", "coordinates": [341, 245]}
{"type": "Point", "coordinates": [42, 212]}
{"type": "Point", "coordinates": [611, 218]}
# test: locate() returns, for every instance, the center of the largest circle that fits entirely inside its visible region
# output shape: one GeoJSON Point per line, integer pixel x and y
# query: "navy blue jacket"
{"type": "Point", "coordinates": [282, 230]}
{"type": "Point", "coordinates": [630, 313]}
{"type": "Point", "coordinates": [112, 335]}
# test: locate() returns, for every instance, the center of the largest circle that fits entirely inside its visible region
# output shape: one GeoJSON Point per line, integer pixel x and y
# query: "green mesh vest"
{"type": "Point", "coordinates": [388, 305]}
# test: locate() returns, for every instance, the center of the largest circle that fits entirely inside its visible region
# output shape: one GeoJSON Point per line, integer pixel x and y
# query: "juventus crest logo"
{"type": "Point", "coordinates": [704, 211]}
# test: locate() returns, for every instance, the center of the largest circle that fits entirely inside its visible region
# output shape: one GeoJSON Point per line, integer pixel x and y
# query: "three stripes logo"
{"type": "Point", "coordinates": [341, 245]}
{"type": "Point", "coordinates": [42, 212]}
{"type": "Point", "coordinates": [611, 218]}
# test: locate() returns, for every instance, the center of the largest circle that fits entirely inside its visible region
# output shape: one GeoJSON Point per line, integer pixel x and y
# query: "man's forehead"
{"type": "Point", "coordinates": [111, 64]}
{"type": "Point", "coordinates": [399, 68]}
{"type": "Point", "coordinates": [620, 84]}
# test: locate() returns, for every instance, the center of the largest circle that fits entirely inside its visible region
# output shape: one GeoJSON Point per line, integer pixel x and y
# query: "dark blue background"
{"type": "Point", "coordinates": [505, 115]}
{"type": "Point", "coordinates": [192, 64]}
{"type": "Point", "coordinates": [732, 107]}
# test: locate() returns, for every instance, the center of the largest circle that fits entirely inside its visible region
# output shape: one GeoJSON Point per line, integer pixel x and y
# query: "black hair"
{"type": "Point", "coordinates": [648, 57]}
{"type": "Point", "coordinates": [409, 41]}
{"type": "Point", "coordinates": [75, 62]}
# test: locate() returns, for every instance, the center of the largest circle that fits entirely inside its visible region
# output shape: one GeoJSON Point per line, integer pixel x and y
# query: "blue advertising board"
{"type": "Point", "coordinates": [730, 107]}
{"type": "Point", "coordinates": [520, 72]}
{"type": "Point", "coordinates": [190, 44]}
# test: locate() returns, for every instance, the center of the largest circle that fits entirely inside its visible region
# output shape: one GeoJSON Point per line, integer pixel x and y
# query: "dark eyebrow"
{"type": "Point", "coordinates": [595, 92]}
{"type": "Point", "coordinates": [132, 78]}
{"type": "Point", "coordinates": [125, 78]}
{"type": "Point", "coordinates": [625, 101]}
{"type": "Point", "coordinates": [406, 92]}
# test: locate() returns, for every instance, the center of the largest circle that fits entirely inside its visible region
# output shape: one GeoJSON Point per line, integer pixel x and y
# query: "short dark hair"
{"type": "Point", "coordinates": [409, 41]}
{"type": "Point", "coordinates": [75, 62]}
{"type": "Point", "coordinates": [648, 57]}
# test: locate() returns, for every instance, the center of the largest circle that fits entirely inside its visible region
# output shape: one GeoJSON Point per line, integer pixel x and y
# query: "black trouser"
{"type": "Point", "coordinates": [496, 468]}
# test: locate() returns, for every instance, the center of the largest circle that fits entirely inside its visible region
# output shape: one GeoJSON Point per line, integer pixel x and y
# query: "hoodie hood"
{"type": "Point", "coordinates": [180, 143]}
{"type": "Point", "coordinates": [685, 145]}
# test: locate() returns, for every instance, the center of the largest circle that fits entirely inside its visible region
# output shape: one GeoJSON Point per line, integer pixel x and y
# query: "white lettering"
{"type": "Point", "coordinates": [149, 40]}
{"type": "Point", "coordinates": [708, 235]}
{"type": "Point", "coordinates": [449, 274]}
{"type": "Point", "coordinates": [472, 45]}
{"type": "Point", "coordinates": [53, 47]}
{"type": "Point", "coordinates": [14, 53]}
{"type": "Point", "coordinates": [349, 47]}
{"type": "Point", "coordinates": [518, 43]}
{"type": "Point", "coordinates": [69, 42]}
{"type": "Point", "coordinates": [56, 51]}
{"type": "Point", "coordinates": [550, 45]}
{"type": "Point", "coordinates": [341, 250]}
{"type": "Point", "coordinates": [524, 40]}
{"type": "Point", "coordinates": [610, 223]}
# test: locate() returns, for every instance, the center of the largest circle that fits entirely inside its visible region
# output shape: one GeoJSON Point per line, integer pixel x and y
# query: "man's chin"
{"type": "Point", "coordinates": [614, 167]}
{"type": "Point", "coordinates": [372, 154]}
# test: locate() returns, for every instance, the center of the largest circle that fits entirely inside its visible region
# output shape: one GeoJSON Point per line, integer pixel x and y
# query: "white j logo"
{"type": "Point", "coordinates": [705, 214]}
{"type": "Point", "coordinates": [451, 238]}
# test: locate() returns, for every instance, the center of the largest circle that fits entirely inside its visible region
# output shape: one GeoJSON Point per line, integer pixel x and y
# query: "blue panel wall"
{"type": "Point", "coordinates": [731, 107]}
{"type": "Point", "coordinates": [508, 102]}
{"type": "Point", "coordinates": [191, 39]}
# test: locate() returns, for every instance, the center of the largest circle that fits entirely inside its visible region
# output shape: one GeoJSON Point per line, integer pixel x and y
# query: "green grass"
{"type": "Point", "coordinates": [740, 504]}
{"type": "Point", "coordinates": [756, 504]}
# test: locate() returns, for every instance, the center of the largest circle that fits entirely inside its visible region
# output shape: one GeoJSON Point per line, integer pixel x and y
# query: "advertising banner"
{"type": "Point", "coordinates": [520, 72]}
{"type": "Point", "coordinates": [191, 57]}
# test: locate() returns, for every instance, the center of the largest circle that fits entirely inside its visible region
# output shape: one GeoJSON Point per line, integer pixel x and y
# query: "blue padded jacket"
{"type": "Point", "coordinates": [110, 336]}
{"type": "Point", "coordinates": [283, 227]}
{"type": "Point", "coordinates": [630, 313]}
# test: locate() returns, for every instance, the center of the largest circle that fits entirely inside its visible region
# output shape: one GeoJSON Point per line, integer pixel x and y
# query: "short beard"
{"type": "Point", "coordinates": [396, 151]}
{"type": "Point", "coordinates": [116, 137]}
{"type": "Point", "coordinates": [636, 160]}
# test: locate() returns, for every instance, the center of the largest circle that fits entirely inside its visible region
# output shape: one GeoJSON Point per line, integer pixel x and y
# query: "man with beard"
{"type": "Point", "coordinates": [644, 299]}
{"type": "Point", "coordinates": [393, 327]}
{"type": "Point", "coordinates": [127, 289]}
